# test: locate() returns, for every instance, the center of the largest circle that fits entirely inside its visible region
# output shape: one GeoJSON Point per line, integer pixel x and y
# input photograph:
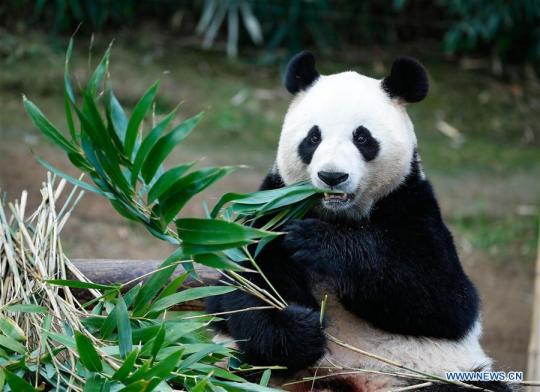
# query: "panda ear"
{"type": "Point", "coordinates": [408, 80]}
{"type": "Point", "coordinates": [301, 72]}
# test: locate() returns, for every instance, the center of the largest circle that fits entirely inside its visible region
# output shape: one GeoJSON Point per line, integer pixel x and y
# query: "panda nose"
{"type": "Point", "coordinates": [332, 178]}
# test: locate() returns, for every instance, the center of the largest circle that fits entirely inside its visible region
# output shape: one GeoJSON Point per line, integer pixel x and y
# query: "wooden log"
{"type": "Point", "coordinates": [109, 271]}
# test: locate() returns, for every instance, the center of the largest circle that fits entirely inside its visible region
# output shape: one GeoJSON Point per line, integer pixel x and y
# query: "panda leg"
{"type": "Point", "coordinates": [293, 337]}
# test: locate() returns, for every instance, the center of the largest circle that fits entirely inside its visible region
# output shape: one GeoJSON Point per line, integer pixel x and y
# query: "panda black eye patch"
{"type": "Point", "coordinates": [309, 144]}
{"type": "Point", "coordinates": [366, 144]}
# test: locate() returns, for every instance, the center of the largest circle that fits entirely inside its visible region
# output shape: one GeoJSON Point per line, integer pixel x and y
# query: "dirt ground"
{"type": "Point", "coordinates": [488, 188]}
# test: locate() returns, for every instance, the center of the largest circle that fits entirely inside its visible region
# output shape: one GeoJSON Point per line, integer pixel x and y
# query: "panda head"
{"type": "Point", "coordinates": [349, 133]}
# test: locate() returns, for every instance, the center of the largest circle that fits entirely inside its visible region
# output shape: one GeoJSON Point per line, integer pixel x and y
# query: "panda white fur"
{"type": "Point", "coordinates": [380, 250]}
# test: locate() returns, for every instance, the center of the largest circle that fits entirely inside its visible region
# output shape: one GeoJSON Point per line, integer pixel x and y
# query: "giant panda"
{"type": "Point", "coordinates": [379, 250]}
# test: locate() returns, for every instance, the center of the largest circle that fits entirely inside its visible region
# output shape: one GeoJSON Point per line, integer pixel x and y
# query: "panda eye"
{"type": "Point", "coordinates": [360, 139]}
{"type": "Point", "coordinates": [359, 136]}
{"type": "Point", "coordinates": [314, 139]}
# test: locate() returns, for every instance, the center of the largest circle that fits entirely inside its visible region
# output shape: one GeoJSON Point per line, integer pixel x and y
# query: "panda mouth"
{"type": "Point", "coordinates": [337, 199]}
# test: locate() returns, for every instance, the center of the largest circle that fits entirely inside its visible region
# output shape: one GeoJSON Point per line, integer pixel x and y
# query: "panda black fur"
{"type": "Point", "coordinates": [382, 252]}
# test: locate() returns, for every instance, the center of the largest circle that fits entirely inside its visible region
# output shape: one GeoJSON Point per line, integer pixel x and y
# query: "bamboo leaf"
{"type": "Point", "coordinates": [158, 341]}
{"type": "Point", "coordinates": [167, 180]}
{"type": "Point", "coordinates": [139, 112]}
{"type": "Point", "coordinates": [12, 344]}
{"type": "Point", "coordinates": [179, 193]}
{"type": "Point", "coordinates": [152, 286]}
{"type": "Point", "coordinates": [217, 232]}
{"type": "Point", "coordinates": [18, 384]}
{"type": "Point", "coordinates": [72, 180]}
{"type": "Point", "coordinates": [265, 378]}
{"type": "Point", "coordinates": [189, 295]}
{"type": "Point", "coordinates": [173, 286]}
{"type": "Point", "coordinates": [165, 145]}
{"type": "Point", "coordinates": [77, 284]}
{"type": "Point", "coordinates": [194, 358]}
{"type": "Point", "coordinates": [216, 261]}
{"type": "Point", "coordinates": [127, 367]}
{"type": "Point", "coordinates": [148, 143]}
{"type": "Point", "coordinates": [26, 308]}
{"type": "Point", "coordinates": [99, 73]}
{"type": "Point", "coordinates": [195, 249]}
{"type": "Point", "coordinates": [11, 329]}
{"type": "Point", "coordinates": [164, 368]}
{"type": "Point", "coordinates": [123, 326]}
{"type": "Point", "coordinates": [108, 325]}
{"type": "Point", "coordinates": [47, 128]}
{"type": "Point", "coordinates": [87, 353]}
{"type": "Point", "coordinates": [118, 116]}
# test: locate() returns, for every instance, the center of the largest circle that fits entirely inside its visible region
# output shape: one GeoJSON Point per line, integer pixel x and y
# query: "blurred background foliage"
{"type": "Point", "coordinates": [478, 130]}
{"type": "Point", "coordinates": [507, 31]}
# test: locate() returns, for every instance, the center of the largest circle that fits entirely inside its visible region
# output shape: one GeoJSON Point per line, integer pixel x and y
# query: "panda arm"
{"type": "Point", "coordinates": [292, 337]}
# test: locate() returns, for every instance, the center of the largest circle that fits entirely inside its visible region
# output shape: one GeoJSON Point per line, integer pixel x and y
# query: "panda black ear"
{"type": "Point", "coordinates": [301, 72]}
{"type": "Point", "coordinates": [408, 80]}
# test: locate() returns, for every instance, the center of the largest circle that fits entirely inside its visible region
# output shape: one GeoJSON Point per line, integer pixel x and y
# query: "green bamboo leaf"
{"type": "Point", "coordinates": [200, 386]}
{"type": "Point", "coordinates": [127, 367]}
{"type": "Point", "coordinates": [96, 383]}
{"type": "Point", "coordinates": [18, 384]}
{"type": "Point", "coordinates": [123, 326]}
{"type": "Point", "coordinates": [99, 73]}
{"type": "Point", "coordinates": [194, 358]}
{"type": "Point", "coordinates": [216, 232]}
{"type": "Point", "coordinates": [74, 181]}
{"type": "Point", "coordinates": [46, 127]}
{"type": "Point", "coordinates": [62, 339]}
{"type": "Point", "coordinates": [164, 368]}
{"type": "Point", "coordinates": [189, 295]}
{"type": "Point", "coordinates": [11, 329]}
{"type": "Point", "coordinates": [68, 88]}
{"type": "Point", "coordinates": [243, 386]}
{"type": "Point", "coordinates": [216, 261]}
{"type": "Point", "coordinates": [173, 286]}
{"type": "Point", "coordinates": [152, 286]}
{"type": "Point", "coordinates": [158, 341]}
{"type": "Point", "coordinates": [77, 284]}
{"type": "Point", "coordinates": [167, 180]}
{"type": "Point", "coordinates": [149, 141]}
{"type": "Point", "coordinates": [265, 378]}
{"type": "Point", "coordinates": [87, 353]}
{"type": "Point", "coordinates": [108, 326]}
{"type": "Point", "coordinates": [12, 344]}
{"type": "Point", "coordinates": [195, 249]}
{"type": "Point", "coordinates": [138, 386]}
{"type": "Point", "coordinates": [179, 193]}
{"type": "Point", "coordinates": [69, 96]}
{"type": "Point", "coordinates": [139, 112]}
{"type": "Point", "coordinates": [69, 118]}
{"type": "Point", "coordinates": [93, 126]}
{"type": "Point", "coordinates": [165, 145]}
{"type": "Point", "coordinates": [26, 308]}
{"type": "Point", "coordinates": [118, 116]}
{"type": "Point", "coordinates": [132, 293]}
{"type": "Point", "coordinates": [2, 379]}
{"type": "Point", "coordinates": [112, 169]}
{"type": "Point", "coordinates": [127, 211]}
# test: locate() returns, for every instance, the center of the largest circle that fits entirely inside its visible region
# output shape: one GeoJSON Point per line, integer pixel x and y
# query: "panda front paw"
{"type": "Point", "coordinates": [306, 242]}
